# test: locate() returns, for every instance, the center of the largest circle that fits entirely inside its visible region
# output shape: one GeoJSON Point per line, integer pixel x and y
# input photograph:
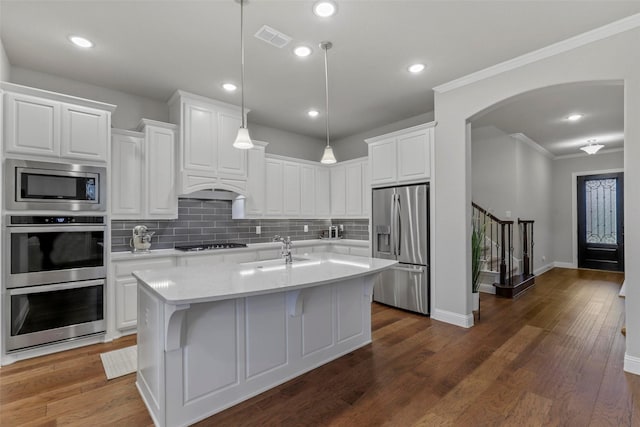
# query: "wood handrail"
{"type": "Point", "coordinates": [490, 215]}
{"type": "Point", "coordinates": [525, 221]}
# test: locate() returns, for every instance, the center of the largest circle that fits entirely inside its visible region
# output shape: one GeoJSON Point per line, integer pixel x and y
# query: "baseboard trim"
{"type": "Point", "coordinates": [543, 269]}
{"type": "Point", "coordinates": [464, 321]}
{"type": "Point", "coordinates": [564, 264]}
{"type": "Point", "coordinates": [632, 364]}
{"type": "Point", "coordinates": [487, 288]}
{"type": "Point", "coordinates": [623, 290]}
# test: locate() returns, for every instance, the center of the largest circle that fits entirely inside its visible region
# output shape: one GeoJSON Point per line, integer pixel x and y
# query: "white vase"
{"type": "Point", "coordinates": [476, 300]}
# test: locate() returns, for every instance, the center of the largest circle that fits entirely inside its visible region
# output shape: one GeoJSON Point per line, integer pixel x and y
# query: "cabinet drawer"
{"type": "Point", "coordinates": [125, 268]}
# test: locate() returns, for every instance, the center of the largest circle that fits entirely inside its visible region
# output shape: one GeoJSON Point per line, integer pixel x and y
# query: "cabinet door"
{"type": "Point", "coordinates": [255, 181]}
{"type": "Point", "coordinates": [232, 162]}
{"type": "Point", "coordinates": [162, 202]}
{"type": "Point", "coordinates": [366, 190]}
{"type": "Point", "coordinates": [353, 188]}
{"type": "Point", "coordinates": [200, 144]}
{"type": "Point", "coordinates": [273, 187]}
{"type": "Point", "coordinates": [32, 125]}
{"type": "Point", "coordinates": [291, 177]}
{"type": "Point", "coordinates": [382, 161]}
{"type": "Point", "coordinates": [307, 191]}
{"type": "Point", "coordinates": [85, 133]}
{"type": "Point", "coordinates": [413, 156]}
{"type": "Point", "coordinates": [126, 303]}
{"type": "Point", "coordinates": [338, 191]}
{"type": "Point", "coordinates": [323, 192]}
{"type": "Point", "coordinates": [126, 177]}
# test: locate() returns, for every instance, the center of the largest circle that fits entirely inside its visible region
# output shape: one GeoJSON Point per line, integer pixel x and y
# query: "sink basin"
{"type": "Point", "coordinates": [269, 264]}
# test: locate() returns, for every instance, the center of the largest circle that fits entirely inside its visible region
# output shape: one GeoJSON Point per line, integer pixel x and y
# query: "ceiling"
{"type": "Point", "coordinates": [541, 115]}
{"type": "Point", "coordinates": [152, 48]}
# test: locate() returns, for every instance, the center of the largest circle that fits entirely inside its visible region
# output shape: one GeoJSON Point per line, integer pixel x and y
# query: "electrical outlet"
{"type": "Point", "coordinates": [258, 229]}
{"type": "Point", "coordinates": [306, 228]}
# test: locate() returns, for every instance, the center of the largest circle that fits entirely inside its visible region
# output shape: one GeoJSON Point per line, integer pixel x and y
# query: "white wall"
{"type": "Point", "coordinates": [5, 66]}
{"type": "Point", "coordinates": [563, 198]}
{"type": "Point", "coordinates": [287, 143]}
{"type": "Point", "coordinates": [353, 147]}
{"type": "Point", "coordinates": [131, 108]}
{"type": "Point", "coordinates": [612, 58]}
{"type": "Point", "coordinates": [510, 175]}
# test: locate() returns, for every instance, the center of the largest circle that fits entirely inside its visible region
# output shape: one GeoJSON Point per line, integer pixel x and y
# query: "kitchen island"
{"type": "Point", "coordinates": [212, 336]}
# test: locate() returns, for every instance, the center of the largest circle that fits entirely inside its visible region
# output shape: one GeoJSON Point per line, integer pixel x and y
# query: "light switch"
{"type": "Point", "coordinates": [306, 228]}
{"type": "Point", "coordinates": [507, 214]}
{"type": "Point", "coordinates": [258, 229]}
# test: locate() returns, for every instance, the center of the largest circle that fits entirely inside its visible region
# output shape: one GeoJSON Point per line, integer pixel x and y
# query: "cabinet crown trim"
{"type": "Point", "coordinates": [125, 132]}
{"type": "Point", "coordinates": [180, 94]}
{"type": "Point", "coordinates": [148, 122]}
{"type": "Point", "coordinates": [400, 132]}
{"type": "Point", "coordinates": [55, 96]}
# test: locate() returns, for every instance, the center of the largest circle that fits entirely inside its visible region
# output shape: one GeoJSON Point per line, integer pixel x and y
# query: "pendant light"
{"type": "Point", "coordinates": [327, 157]}
{"type": "Point", "coordinates": [592, 148]}
{"type": "Point", "coordinates": [243, 140]}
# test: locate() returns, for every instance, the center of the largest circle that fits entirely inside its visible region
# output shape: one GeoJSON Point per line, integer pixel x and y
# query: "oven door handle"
{"type": "Point", "coordinates": [55, 287]}
{"type": "Point", "coordinates": [55, 228]}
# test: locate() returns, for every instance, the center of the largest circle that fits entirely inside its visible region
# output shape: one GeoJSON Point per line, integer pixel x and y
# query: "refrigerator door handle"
{"type": "Point", "coordinates": [392, 236]}
{"type": "Point", "coordinates": [416, 270]}
{"type": "Point", "coordinates": [398, 225]}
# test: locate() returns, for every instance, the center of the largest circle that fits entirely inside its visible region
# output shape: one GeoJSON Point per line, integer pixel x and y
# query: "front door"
{"type": "Point", "coordinates": [601, 221]}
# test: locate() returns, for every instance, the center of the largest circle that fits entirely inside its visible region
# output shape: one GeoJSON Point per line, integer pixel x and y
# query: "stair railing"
{"type": "Point", "coordinates": [500, 234]}
{"type": "Point", "coordinates": [526, 233]}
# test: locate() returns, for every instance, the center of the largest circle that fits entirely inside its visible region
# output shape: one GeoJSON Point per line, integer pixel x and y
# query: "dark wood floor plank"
{"type": "Point", "coordinates": [553, 356]}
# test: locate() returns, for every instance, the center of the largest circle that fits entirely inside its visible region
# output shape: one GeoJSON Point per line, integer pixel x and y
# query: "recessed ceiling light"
{"type": "Point", "coordinates": [416, 68]}
{"type": "Point", "coordinates": [574, 117]}
{"type": "Point", "coordinates": [229, 87]}
{"type": "Point", "coordinates": [302, 51]}
{"type": "Point", "coordinates": [324, 9]}
{"type": "Point", "coordinates": [313, 113]}
{"type": "Point", "coordinates": [81, 41]}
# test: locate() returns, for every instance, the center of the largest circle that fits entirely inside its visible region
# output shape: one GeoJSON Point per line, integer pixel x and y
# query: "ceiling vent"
{"type": "Point", "coordinates": [273, 37]}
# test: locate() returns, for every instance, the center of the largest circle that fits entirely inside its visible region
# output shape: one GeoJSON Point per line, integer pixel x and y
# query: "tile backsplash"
{"type": "Point", "coordinates": [205, 221]}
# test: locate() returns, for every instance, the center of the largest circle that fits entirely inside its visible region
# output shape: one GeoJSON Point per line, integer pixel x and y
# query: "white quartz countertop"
{"type": "Point", "coordinates": [192, 284]}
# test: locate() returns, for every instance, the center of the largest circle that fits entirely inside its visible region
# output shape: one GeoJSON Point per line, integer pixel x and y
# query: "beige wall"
{"type": "Point", "coordinates": [5, 66]}
{"type": "Point", "coordinates": [612, 58]}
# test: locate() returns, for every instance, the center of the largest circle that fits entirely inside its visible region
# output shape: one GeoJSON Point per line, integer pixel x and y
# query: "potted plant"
{"type": "Point", "coordinates": [477, 245]}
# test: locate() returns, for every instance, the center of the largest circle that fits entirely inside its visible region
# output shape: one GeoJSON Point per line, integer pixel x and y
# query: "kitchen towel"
{"type": "Point", "coordinates": [120, 362]}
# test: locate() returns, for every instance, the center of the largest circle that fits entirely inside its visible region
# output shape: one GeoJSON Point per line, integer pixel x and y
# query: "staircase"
{"type": "Point", "coordinates": [501, 271]}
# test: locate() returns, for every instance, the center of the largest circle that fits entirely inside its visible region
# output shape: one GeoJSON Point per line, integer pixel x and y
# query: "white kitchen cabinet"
{"type": "Point", "coordinates": [206, 156]}
{"type": "Point", "coordinates": [323, 192]}
{"type": "Point", "coordinates": [307, 191]}
{"type": "Point", "coordinates": [366, 190]}
{"type": "Point", "coordinates": [255, 201]}
{"type": "Point", "coordinates": [206, 259]}
{"type": "Point", "coordinates": [125, 288]}
{"type": "Point", "coordinates": [54, 126]}
{"type": "Point", "coordinates": [291, 189]}
{"type": "Point", "coordinates": [126, 174]}
{"type": "Point", "coordinates": [143, 172]}
{"type": "Point", "coordinates": [353, 188]}
{"type": "Point", "coordinates": [85, 133]}
{"type": "Point", "coordinates": [401, 157]}
{"type": "Point", "coordinates": [338, 191]}
{"type": "Point", "coordinates": [274, 190]}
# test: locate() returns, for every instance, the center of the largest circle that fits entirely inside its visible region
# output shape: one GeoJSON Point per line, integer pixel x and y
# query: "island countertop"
{"type": "Point", "coordinates": [186, 285]}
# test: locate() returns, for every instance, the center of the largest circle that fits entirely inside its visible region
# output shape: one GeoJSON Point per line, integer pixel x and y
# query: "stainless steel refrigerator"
{"type": "Point", "coordinates": [400, 228]}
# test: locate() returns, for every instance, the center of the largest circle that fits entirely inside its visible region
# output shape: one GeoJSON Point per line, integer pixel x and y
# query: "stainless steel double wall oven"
{"type": "Point", "coordinates": [55, 253]}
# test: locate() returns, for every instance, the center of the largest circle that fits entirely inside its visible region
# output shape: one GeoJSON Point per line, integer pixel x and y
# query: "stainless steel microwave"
{"type": "Point", "coordinates": [54, 186]}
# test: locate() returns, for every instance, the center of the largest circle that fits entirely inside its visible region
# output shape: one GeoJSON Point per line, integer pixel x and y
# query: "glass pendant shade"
{"type": "Point", "coordinates": [243, 140]}
{"type": "Point", "coordinates": [591, 148]}
{"type": "Point", "coordinates": [328, 157]}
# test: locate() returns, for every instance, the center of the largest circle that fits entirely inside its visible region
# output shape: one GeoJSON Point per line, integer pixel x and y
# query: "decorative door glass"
{"type": "Point", "coordinates": [601, 212]}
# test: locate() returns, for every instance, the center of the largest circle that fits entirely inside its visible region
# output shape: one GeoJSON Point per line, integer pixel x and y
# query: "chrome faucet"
{"type": "Point", "coordinates": [285, 251]}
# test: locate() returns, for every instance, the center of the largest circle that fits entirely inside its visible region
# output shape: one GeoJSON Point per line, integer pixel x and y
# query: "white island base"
{"type": "Point", "coordinates": [196, 359]}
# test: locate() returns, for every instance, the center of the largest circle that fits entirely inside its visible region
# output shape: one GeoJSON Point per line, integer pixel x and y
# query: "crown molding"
{"type": "Point", "coordinates": [600, 33]}
{"type": "Point", "coordinates": [533, 144]}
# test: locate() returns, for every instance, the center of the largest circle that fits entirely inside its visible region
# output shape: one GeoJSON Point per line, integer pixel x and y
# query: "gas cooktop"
{"type": "Point", "coordinates": [210, 246]}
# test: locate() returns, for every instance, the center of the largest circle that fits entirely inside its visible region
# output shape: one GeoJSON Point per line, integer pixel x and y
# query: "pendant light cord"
{"type": "Point", "coordinates": [326, 46]}
{"type": "Point", "coordinates": [242, 59]}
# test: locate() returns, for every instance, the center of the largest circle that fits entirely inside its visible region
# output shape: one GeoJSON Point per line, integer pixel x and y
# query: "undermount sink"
{"type": "Point", "coordinates": [274, 262]}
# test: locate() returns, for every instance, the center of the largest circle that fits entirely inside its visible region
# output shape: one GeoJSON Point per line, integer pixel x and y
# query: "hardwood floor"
{"type": "Point", "coordinates": [552, 357]}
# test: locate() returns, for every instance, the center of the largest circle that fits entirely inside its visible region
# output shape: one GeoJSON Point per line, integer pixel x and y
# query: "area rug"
{"type": "Point", "coordinates": [120, 362]}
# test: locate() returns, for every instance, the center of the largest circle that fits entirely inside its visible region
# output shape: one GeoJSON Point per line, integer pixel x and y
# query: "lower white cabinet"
{"type": "Point", "coordinates": [125, 288]}
{"type": "Point", "coordinates": [143, 181]}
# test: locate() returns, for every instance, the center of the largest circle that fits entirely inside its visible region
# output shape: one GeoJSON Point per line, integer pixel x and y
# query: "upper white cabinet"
{"type": "Point", "coordinates": [307, 191]}
{"type": "Point", "coordinates": [274, 187]}
{"type": "Point", "coordinates": [349, 189]}
{"type": "Point", "coordinates": [206, 156]}
{"type": "Point", "coordinates": [143, 172]}
{"type": "Point", "coordinates": [255, 200]}
{"type": "Point", "coordinates": [401, 157]}
{"type": "Point", "coordinates": [291, 188]}
{"type": "Point", "coordinates": [323, 192]}
{"type": "Point", "coordinates": [44, 124]}
{"type": "Point", "coordinates": [338, 191]}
